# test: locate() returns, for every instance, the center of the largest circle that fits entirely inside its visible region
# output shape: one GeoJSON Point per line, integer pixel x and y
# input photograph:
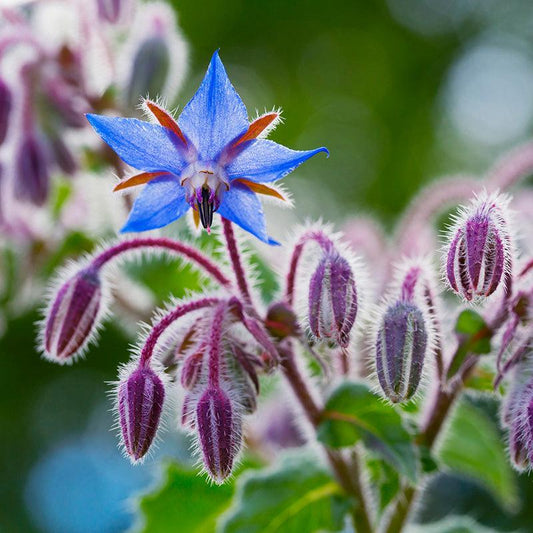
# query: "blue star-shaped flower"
{"type": "Point", "coordinates": [210, 160]}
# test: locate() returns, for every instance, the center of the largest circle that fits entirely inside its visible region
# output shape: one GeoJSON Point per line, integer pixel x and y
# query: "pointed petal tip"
{"type": "Point", "coordinates": [273, 242]}
{"type": "Point", "coordinates": [322, 149]}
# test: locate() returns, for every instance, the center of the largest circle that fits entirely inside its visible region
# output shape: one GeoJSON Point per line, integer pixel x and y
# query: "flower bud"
{"type": "Point", "coordinates": [219, 429]}
{"type": "Point", "coordinates": [73, 317]}
{"type": "Point", "coordinates": [63, 156]}
{"type": "Point", "coordinates": [281, 322]}
{"type": "Point", "coordinates": [32, 179]}
{"type": "Point", "coordinates": [192, 370]}
{"type": "Point", "coordinates": [518, 447]}
{"type": "Point", "coordinates": [479, 250]}
{"type": "Point", "coordinates": [140, 402]}
{"type": "Point", "coordinates": [332, 299]}
{"type": "Point", "coordinates": [112, 11]}
{"type": "Point", "coordinates": [149, 71]}
{"type": "Point", "coordinates": [5, 109]}
{"type": "Point", "coordinates": [400, 350]}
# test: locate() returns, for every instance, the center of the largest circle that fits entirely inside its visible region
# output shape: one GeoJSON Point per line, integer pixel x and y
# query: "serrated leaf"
{"type": "Point", "coordinates": [472, 446]}
{"type": "Point", "coordinates": [353, 413]}
{"type": "Point", "coordinates": [185, 502]}
{"type": "Point", "coordinates": [288, 498]}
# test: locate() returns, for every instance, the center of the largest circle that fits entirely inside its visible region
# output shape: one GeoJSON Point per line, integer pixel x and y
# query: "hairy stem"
{"type": "Point", "coordinates": [170, 245]}
{"type": "Point", "coordinates": [167, 321]}
{"type": "Point", "coordinates": [235, 257]}
{"type": "Point", "coordinates": [350, 483]}
{"type": "Point", "coordinates": [319, 237]}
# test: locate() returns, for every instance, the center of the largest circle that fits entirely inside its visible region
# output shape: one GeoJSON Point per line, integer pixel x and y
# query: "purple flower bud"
{"type": "Point", "coordinates": [518, 452]}
{"type": "Point", "coordinates": [112, 10]}
{"type": "Point", "coordinates": [73, 316]}
{"type": "Point", "coordinates": [63, 156]}
{"type": "Point", "coordinates": [479, 250]}
{"type": "Point", "coordinates": [140, 402]}
{"type": "Point", "coordinates": [5, 109]}
{"type": "Point", "coordinates": [332, 299]}
{"type": "Point", "coordinates": [32, 179]}
{"type": "Point", "coordinates": [400, 351]}
{"type": "Point", "coordinates": [149, 71]}
{"type": "Point", "coordinates": [219, 429]}
{"type": "Point", "coordinates": [192, 370]}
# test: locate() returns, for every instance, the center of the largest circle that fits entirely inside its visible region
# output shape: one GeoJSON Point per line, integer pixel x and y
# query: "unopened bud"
{"type": "Point", "coordinates": [400, 350]}
{"type": "Point", "coordinates": [332, 299]}
{"type": "Point", "coordinates": [63, 156]}
{"type": "Point", "coordinates": [479, 250]}
{"type": "Point", "coordinates": [192, 370]}
{"type": "Point", "coordinates": [31, 180]}
{"type": "Point", "coordinates": [140, 402]}
{"type": "Point", "coordinates": [281, 322]}
{"type": "Point", "coordinates": [112, 11]}
{"type": "Point", "coordinates": [73, 316]}
{"type": "Point", "coordinates": [5, 109]}
{"type": "Point", "coordinates": [219, 429]}
{"type": "Point", "coordinates": [518, 451]}
{"type": "Point", "coordinates": [149, 71]}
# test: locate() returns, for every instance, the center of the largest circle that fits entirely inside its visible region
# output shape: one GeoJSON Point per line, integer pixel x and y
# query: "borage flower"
{"type": "Point", "coordinates": [211, 159]}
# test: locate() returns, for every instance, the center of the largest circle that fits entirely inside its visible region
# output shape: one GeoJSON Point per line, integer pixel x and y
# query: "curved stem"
{"type": "Point", "coordinates": [168, 320]}
{"type": "Point", "coordinates": [314, 235]}
{"type": "Point", "coordinates": [170, 245]}
{"type": "Point", "coordinates": [236, 262]}
{"type": "Point", "coordinates": [349, 482]}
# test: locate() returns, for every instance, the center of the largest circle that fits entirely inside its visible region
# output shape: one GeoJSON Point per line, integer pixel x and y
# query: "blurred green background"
{"type": "Point", "coordinates": [400, 91]}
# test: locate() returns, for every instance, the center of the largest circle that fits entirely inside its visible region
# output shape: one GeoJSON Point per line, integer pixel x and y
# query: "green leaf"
{"type": "Point", "coordinates": [353, 413]}
{"type": "Point", "coordinates": [474, 338]}
{"type": "Point", "coordinates": [185, 502]}
{"type": "Point", "coordinates": [472, 446]}
{"type": "Point", "coordinates": [297, 492]}
{"type": "Point", "coordinates": [384, 481]}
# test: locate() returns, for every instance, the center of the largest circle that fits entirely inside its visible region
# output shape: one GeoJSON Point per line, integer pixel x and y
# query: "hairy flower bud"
{"type": "Point", "coordinates": [140, 402]}
{"type": "Point", "coordinates": [332, 299]}
{"type": "Point", "coordinates": [32, 179]}
{"type": "Point", "coordinates": [219, 429]}
{"type": "Point", "coordinates": [191, 370]}
{"type": "Point", "coordinates": [6, 103]}
{"type": "Point", "coordinates": [63, 156]}
{"type": "Point", "coordinates": [401, 346]}
{"type": "Point", "coordinates": [112, 10]}
{"type": "Point", "coordinates": [150, 69]}
{"type": "Point", "coordinates": [479, 251]}
{"type": "Point", "coordinates": [73, 316]}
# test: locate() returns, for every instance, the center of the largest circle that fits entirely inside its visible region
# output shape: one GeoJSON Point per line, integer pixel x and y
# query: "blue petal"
{"type": "Point", "coordinates": [216, 114]}
{"type": "Point", "coordinates": [161, 202]}
{"type": "Point", "coordinates": [241, 205]}
{"type": "Point", "coordinates": [264, 161]}
{"type": "Point", "coordinates": [142, 145]}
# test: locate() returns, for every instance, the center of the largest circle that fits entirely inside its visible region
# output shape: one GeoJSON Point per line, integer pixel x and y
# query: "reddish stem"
{"type": "Point", "coordinates": [319, 237]}
{"type": "Point", "coordinates": [236, 262]}
{"type": "Point", "coordinates": [167, 321]}
{"type": "Point", "coordinates": [214, 344]}
{"type": "Point", "coordinates": [166, 244]}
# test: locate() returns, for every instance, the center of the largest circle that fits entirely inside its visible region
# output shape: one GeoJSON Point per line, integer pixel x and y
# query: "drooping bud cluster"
{"type": "Point", "coordinates": [479, 250]}
{"type": "Point", "coordinates": [74, 314]}
{"type": "Point", "coordinates": [219, 372]}
{"type": "Point", "coordinates": [333, 299]}
{"type": "Point", "coordinates": [403, 335]}
{"type": "Point", "coordinates": [140, 397]}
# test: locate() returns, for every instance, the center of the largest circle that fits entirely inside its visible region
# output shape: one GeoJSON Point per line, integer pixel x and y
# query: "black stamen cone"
{"type": "Point", "coordinates": [205, 208]}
